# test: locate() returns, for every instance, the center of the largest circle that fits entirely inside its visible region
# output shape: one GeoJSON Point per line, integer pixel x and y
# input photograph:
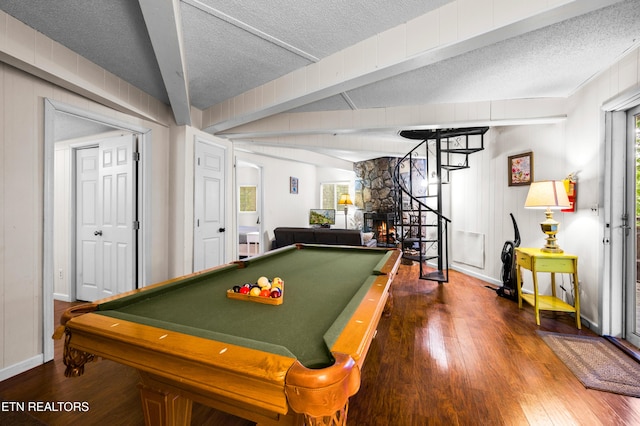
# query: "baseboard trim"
{"type": "Point", "coordinates": [474, 274]}
{"type": "Point", "coordinates": [21, 367]}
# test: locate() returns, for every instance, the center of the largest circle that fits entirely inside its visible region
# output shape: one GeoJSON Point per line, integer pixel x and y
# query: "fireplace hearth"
{"type": "Point", "coordinates": [383, 228]}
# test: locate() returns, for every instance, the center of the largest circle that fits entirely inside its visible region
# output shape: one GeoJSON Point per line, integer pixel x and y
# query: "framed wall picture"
{"type": "Point", "coordinates": [248, 198]}
{"type": "Point", "coordinates": [293, 185]}
{"type": "Point", "coordinates": [521, 169]}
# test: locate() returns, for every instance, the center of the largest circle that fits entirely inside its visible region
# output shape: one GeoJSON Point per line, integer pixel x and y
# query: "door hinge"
{"type": "Point", "coordinates": [136, 225]}
{"type": "Point", "coordinates": [136, 156]}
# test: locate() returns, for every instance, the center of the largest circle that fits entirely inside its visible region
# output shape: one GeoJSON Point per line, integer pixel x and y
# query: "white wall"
{"type": "Point", "coordinates": [249, 176]}
{"type": "Point", "coordinates": [21, 210]}
{"type": "Point", "coordinates": [21, 216]}
{"type": "Point", "coordinates": [481, 199]}
{"type": "Point", "coordinates": [282, 208]}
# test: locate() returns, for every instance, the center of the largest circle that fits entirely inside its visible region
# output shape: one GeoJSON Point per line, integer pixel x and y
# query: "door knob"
{"type": "Point", "coordinates": [220, 229]}
{"type": "Point", "coordinates": [98, 232]}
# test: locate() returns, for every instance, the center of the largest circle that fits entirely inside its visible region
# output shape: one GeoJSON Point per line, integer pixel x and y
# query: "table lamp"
{"type": "Point", "coordinates": [345, 200]}
{"type": "Point", "coordinates": [548, 194]}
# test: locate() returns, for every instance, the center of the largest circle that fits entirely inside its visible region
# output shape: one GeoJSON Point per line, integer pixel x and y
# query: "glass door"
{"type": "Point", "coordinates": [632, 291]}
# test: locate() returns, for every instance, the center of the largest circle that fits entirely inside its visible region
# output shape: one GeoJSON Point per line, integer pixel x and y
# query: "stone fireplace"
{"type": "Point", "coordinates": [375, 190]}
{"type": "Point", "coordinates": [376, 194]}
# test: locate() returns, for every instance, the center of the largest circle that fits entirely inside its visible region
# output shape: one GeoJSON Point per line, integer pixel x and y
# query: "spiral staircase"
{"type": "Point", "coordinates": [421, 228]}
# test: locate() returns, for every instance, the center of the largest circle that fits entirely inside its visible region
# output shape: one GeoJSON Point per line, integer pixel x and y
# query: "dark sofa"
{"type": "Point", "coordinates": [285, 236]}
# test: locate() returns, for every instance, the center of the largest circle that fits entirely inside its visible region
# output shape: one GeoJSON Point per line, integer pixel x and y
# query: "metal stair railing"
{"type": "Point", "coordinates": [412, 221]}
{"type": "Point", "coordinates": [450, 144]}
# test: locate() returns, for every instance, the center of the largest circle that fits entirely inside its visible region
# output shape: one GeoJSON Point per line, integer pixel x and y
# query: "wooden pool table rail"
{"type": "Point", "coordinates": [270, 389]}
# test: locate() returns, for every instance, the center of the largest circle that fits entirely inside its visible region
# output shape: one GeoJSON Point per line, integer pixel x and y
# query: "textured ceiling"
{"type": "Point", "coordinates": [110, 33]}
{"type": "Point", "coordinates": [550, 62]}
{"type": "Point", "coordinates": [241, 47]}
{"type": "Point", "coordinates": [230, 47]}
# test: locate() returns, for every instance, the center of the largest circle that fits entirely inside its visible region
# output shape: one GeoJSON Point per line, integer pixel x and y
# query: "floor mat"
{"type": "Point", "coordinates": [596, 363]}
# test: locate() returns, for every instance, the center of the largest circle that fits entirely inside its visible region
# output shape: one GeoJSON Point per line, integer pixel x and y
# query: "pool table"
{"type": "Point", "coordinates": [292, 363]}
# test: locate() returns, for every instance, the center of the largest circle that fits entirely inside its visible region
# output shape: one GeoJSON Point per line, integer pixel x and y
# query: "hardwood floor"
{"type": "Point", "coordinates": [451, 354]}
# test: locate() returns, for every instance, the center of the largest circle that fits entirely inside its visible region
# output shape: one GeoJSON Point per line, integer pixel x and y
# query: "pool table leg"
{"type": "Point", "coordinates": [164, 408]}
{"type": "Point", "coordinates": [339, 418]}
{"type": "Point", "coordinates": [74, 359]}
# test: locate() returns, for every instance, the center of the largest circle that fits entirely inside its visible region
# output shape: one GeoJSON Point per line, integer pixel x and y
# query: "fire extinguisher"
{"type": "Point", "coordinates": [570, 185]}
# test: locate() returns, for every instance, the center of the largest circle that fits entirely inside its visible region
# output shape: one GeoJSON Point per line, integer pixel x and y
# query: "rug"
{"type": "Point", "coordinates": [596, 363]}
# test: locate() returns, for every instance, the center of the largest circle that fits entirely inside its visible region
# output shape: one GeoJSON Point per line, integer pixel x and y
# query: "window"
{"type": "Point", "coordinates": [330, 194]}
{"type": "Point", "coordinates": [248, 200]}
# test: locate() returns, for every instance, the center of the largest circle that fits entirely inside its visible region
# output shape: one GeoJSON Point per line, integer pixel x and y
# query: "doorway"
{"type": "Point", "coordinates": [66, 122]}
{"type": "Point", "coordinates": [249, 210]}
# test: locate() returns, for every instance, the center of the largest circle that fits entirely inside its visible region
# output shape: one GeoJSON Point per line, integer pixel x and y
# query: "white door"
{"type": "Point", "coordinates": [105, 212]}
{"type": "Point", "coordinates": [209, 206]}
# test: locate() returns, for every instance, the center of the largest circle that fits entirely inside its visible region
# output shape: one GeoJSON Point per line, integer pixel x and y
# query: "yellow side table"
{"type": "Point", "coordinates": [536, 261]}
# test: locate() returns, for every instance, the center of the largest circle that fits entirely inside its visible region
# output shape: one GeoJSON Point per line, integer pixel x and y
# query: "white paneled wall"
{"type": "Point", "coordinates": [21, 206]}
{"type": "Point", "coordinates": [22, 99]}
{"type": "Point", "coordinates": [481, 199]}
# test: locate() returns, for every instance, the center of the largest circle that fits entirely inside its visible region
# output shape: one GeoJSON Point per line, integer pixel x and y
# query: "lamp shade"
{"type": "Point", "coordinates": [345, 200]}
{"type": "Point", "coordinates": [549, 194]}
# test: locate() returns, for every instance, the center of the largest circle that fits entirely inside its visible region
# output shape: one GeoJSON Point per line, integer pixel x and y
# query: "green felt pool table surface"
{"type": "Point", "coordinates": [272, 364]}
{"type": "Point", "coordinates": [323, 286]}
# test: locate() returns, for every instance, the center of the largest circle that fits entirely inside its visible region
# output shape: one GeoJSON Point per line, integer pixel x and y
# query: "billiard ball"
{"type": "Point", "coordinates": [255, 291]}
{"type": "Point", "coordinates": [275, 294]}
{"type": "Point", "coordinates": [263, 282]}
{"type": "Point", "coordinates": [265, 293]}
{"type": "Point", "coordinates": [244, 290]}
{"type": "Point", "coordinates": [236, 289]}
